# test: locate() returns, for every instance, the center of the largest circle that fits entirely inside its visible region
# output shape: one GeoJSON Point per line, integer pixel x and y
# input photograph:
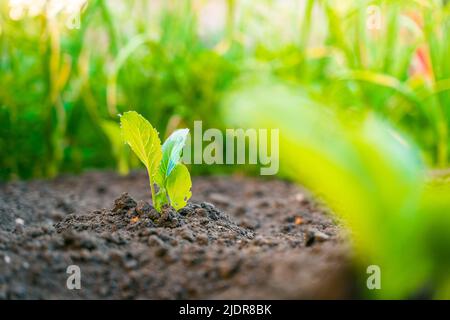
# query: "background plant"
{"type": "Point", "coordinates": [173, 65]}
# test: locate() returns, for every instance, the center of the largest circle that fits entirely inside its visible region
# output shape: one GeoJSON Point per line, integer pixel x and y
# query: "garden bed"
{"type": "Point", "coordinates": [238, 238]}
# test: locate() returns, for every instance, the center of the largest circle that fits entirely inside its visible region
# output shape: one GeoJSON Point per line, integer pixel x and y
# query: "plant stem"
{"type": "Point", "coordinates": [108, 19]}
{"type": "Point", "coordinates": [442, 151]}
{"type": "Point", "coordinates": [151, 188]}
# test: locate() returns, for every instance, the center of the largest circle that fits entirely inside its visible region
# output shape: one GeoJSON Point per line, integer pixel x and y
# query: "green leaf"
{"type": "Point", "coordinates": [178, 186]}
{"type": "Point", "coordinates": [143, 139]}
{"type": "Point", "coordinates": [172, 149]}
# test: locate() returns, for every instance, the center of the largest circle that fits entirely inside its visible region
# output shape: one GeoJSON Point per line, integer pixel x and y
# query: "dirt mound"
{"type": "Point", "coordinates": [132, 251]}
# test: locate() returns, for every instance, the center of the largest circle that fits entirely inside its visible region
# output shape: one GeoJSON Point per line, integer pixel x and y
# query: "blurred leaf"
{"type": "Point", "coordinates": [366, 171]}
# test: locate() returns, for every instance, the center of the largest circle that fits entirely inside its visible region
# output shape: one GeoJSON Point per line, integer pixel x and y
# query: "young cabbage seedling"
{"type": "Point", "coordinates": [162, 162]}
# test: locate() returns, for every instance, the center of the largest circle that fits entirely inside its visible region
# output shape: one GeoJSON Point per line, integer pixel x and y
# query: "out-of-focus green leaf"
{"type": "Point", "coordinates": [369, 173]}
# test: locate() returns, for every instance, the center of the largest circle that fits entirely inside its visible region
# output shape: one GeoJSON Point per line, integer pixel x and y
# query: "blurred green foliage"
{"type": "Point", "coordinates": [62, 89]}
{"type": "Point", "coordinates": [160, 58]}
{"type": "Point", "coordinates": [372, 177]}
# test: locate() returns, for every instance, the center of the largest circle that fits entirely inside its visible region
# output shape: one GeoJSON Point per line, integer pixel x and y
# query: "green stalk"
{"type": "Point", "coordinates": [231, 10]}
{"type": "Point", "coordinates": [438, 59]}
{"type": "Point", "coordinates": [442, 150]}
{"type": "Point", "coordinates": [305, 28]}
{"type": "Point", "coordinates": [109, 26]}
{"type": "Point", "coordinates": [152, 188]}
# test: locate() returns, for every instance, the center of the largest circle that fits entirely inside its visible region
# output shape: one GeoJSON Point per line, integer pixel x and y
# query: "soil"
{"type": "Point", "coordinates": [239, 238]}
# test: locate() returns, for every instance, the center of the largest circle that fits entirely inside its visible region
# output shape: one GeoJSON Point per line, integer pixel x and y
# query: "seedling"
{"type": "Point", "coordinates": [162, 162]}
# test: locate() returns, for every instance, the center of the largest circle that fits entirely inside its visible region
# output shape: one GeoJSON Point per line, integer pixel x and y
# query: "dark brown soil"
{"type": "Point", "coordinates": [240, 238]}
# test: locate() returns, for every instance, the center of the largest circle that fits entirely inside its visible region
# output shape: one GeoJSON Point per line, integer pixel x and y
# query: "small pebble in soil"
{"type": "Point", "coordinates": [313, 236]}
{"type": "Point", "coordinates": [20, 221]}
{"type": "Point", "coordinates": [300, 197]}
{"type": "Point", "coordinates": [134, 219]}
{"type": "Point", "coordinates": [298, 220]}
